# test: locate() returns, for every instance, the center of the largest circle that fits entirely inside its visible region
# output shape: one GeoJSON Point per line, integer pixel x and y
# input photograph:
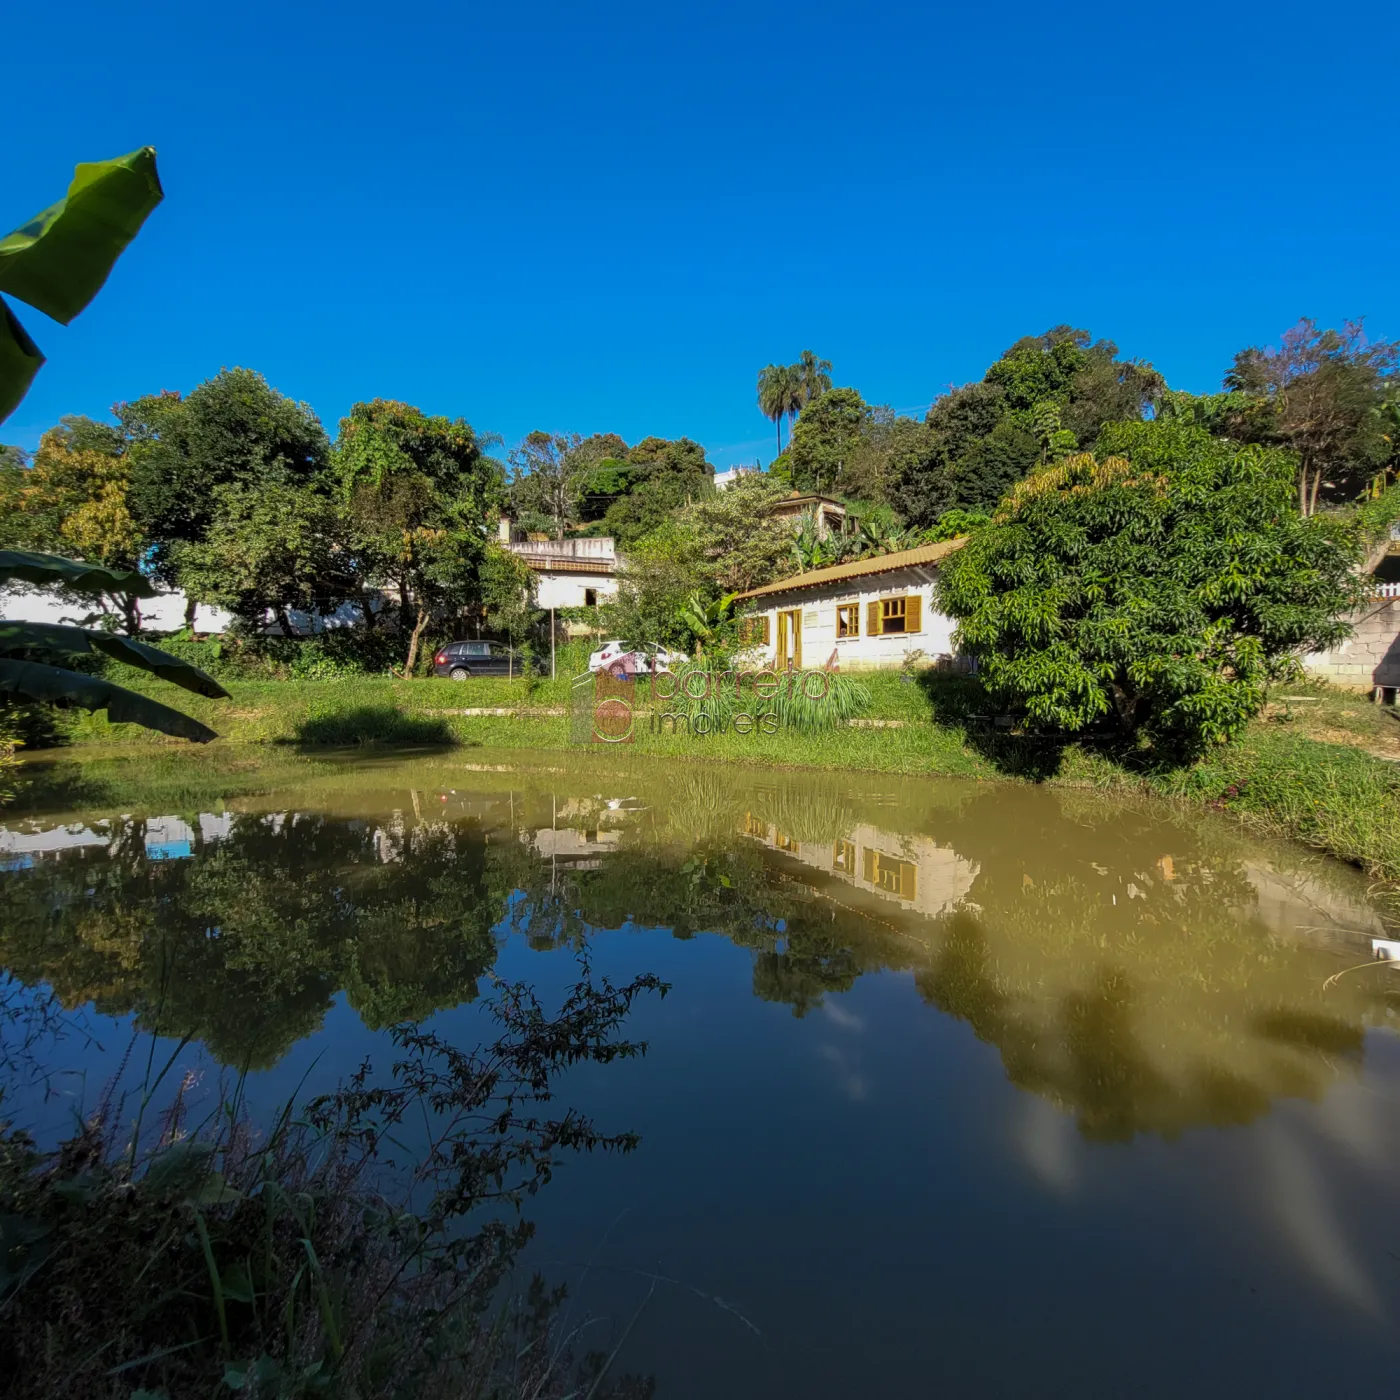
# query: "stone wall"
{"type": "Point", "coordinates": [1370, 658]}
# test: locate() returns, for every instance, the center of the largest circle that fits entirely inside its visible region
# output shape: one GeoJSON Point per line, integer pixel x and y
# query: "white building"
{"type": "Point", "coordinates": [725, 479]}
{"type": "Point", "coordinates": [573, 573]}
{"type": "Point", "coordinates": [860, 616]}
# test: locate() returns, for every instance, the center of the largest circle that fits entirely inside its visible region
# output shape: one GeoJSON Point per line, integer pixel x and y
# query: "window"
{"type": "Point", "coordinates": [590, 597]}
{"type": "Point", "coordinates": [784, 842]}
{"type": "Point", "coordinates": [843, 857]}
{"type": "Point", "coordinates": [893, 616]}
{"type": "Point", "coordinates": [848, 620]}
{"type": "Point", "coordinates": [889, 873]}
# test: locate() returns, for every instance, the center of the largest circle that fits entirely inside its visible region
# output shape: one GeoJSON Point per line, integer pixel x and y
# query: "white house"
{"type": "Point", "coordinates": [867, 614]}
{"type": "Point", "coordinates": [573, 573]}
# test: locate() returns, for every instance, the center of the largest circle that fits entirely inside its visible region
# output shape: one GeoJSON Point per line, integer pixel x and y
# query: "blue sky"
{"type": "Point", "coordinates": [607, 217]}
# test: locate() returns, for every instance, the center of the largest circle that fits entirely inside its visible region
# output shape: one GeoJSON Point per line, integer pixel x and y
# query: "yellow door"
{"type": "Point", "coordinates": [789, 650]}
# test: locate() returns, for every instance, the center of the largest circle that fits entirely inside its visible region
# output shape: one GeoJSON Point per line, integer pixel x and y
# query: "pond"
{"type": "Point", "coordinates": [975, 1089]}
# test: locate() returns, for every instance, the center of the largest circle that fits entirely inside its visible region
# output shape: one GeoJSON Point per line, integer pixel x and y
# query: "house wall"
{"type": "Point", "coordinates": [569, 590]}
{"type": "Point", "coordinates": [818, 607]}
{"type": "Point", "coordinates": [1370, 657]}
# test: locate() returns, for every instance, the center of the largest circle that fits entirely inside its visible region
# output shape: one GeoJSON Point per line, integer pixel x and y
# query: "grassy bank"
{"type": "Point", "coordinates": [1318, 766]}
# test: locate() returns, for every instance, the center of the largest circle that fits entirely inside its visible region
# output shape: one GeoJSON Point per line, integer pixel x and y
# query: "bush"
{"type": "Point", "coordinates": [373, 724]}
{"type": "Point", "coordinates": [1159, 590]}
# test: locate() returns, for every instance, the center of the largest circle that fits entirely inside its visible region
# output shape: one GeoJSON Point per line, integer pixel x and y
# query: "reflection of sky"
{"type": "Point", "coordinates": [859, 1201]}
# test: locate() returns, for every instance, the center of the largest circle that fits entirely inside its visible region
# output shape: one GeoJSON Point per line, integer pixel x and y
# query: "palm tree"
{"type": "Point", "coordinates": [778, 393]}
{"type": "Point", "coordinates": [813, 378]}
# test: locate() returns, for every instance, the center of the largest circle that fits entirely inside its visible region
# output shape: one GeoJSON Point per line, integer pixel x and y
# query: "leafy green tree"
{"type": "Point", "coordinates": [666, 474]}
{"type": "Point", "coordinates": [545, 478]}
{"type": "Point", "coordinates": [827, 437]}
{"type": "Point", "coordinates": [73, 499]}
{"type": "Point", "coordinates": [1160, 588]}
{"type": "Point", "coordinates": [58, 260]}
{"type": "Point", "coordinates": [419, 491]}
{"type": "Point", "coordinates": [508, 587]}
{"type": "Point", "coordinates": [272, 547]}
{"type": "Point", "coordinates": [1322, 395]}
{"type": "Point", "coordinates": [779, 396]}
{"type": "Point", "coordinates": [233, 428]}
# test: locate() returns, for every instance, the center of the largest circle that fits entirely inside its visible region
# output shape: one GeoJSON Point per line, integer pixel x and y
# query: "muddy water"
{"type": "Point", "coordinates": [960, 1089]}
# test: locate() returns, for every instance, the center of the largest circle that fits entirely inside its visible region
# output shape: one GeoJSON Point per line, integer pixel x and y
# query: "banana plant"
{"type": "Point", "coordinates": [704, 619]}
{"type": "Point", "coordinates": [58, 261]}
{"type": "Point", "coordinates": [34, 655]}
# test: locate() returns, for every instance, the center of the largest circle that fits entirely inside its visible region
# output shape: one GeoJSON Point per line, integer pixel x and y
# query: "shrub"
{"type": "Point", "coordinates": [1159, 589]}
{"type": "Point", "coordinates": [373, 724]}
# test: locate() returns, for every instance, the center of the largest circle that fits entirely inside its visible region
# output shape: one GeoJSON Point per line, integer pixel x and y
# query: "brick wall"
{"type": "Point", "coordinates": [1371, 657]}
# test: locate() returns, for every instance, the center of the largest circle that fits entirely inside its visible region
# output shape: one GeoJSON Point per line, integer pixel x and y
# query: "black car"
{"type": "Point", "coordinates": [462, 659]}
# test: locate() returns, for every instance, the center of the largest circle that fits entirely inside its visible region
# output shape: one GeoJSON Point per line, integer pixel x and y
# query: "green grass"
{"type": "Point", "coordinates": [1312, 768]}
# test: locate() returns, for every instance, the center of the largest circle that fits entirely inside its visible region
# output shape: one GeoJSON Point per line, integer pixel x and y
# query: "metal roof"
{"type": "Point", "coordinates": [922, 557]}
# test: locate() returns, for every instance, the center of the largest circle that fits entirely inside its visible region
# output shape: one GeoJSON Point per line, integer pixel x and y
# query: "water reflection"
{"type": "Point", "coordinates": [1140, 974]}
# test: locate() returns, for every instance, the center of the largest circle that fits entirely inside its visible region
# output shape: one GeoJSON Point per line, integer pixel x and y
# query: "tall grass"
{"type": "Point", "coordinates": [801, 700]}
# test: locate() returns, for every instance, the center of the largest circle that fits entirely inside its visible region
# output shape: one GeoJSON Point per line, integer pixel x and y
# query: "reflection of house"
{"type": "Point", "coordinates": [580, 850]}
{"type": "Point", "coordinates": [829, 514]}
{"type": "Point", "coordinates": [915, 871]}
{"type": "Point", "coordinates": [573, 573]}
{"type": "Point", "coordinates": [869, 612]}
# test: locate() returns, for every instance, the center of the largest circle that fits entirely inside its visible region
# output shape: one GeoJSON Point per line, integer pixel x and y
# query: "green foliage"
{"type": "Point", "coordinates": [508, 593]}
{"type": "Point", "coordinates": [373, 724]}
{"type": "Point", "coordinates": [714, 688]}
{"type": "Point", "coordinates": [1322, 395]}
{"type": "Point", "coordinates": [199, 1255]}
{"type": "Point", "coordinates": [11, 740]}
{"type": "Point", "coordinates": [234, 430]}
{"type": "Point", "coordinates": [826, 437]}
{"type": "Point", "coordinates": [546, 480]}
{"type": "Point", "coordinates": [419, 492]}
{"type": "Point", "coordinates": [665, 476]}
{"type": "Point", "coordinates": [58, 260]}
{"type": "Point", "coordinates": [1162, 587]}
{"type": "Point", "coordinates": [953, 524]}
{"type": "Point", "coordinates": [270, 546]}
{"type": "Point", "coordinates": [27, 650]}
{"type": "Point", "coordinates": [779, 396]}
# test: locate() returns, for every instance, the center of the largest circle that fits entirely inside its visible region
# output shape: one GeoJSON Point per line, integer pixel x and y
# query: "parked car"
{"type": "Point", "coordinates": [462, 659]}
{"type": "Point", "coordinates": [618, 656]}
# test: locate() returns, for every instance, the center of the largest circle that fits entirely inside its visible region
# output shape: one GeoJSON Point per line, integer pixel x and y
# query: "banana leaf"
{"type": "Point", "coordinates": [58, 261]}
{"type": "Point", "coordinates": [57, 641]}
{"type": "Point", "coordinates": [20, 360]}
{"type": "Point", "coordinates": [28, 680]}
{"type": "Point", "coordinates": [31, 567]}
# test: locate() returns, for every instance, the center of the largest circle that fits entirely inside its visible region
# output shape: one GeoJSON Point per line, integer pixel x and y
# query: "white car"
{"type": "Point", "coordinates": [633, 661]}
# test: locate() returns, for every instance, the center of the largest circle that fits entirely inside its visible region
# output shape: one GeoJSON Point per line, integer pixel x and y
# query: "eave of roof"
{"type": "Point", "coordinates": [922, 557]}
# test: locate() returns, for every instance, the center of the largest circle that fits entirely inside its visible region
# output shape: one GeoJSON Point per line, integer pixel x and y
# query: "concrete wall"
{"type": "Point", "coordinates": [1371, 657]}
{"type": "Point", "coordinates": [163, 614]}
{"type": "Point", "coordinates": [569, 590]}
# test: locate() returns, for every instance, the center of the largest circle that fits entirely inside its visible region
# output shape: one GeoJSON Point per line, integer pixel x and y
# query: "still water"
{"type": "Point", "coordinates": [960, 1089]}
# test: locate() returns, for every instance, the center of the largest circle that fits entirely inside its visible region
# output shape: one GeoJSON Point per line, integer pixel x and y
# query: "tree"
{"type": "Point", "coordinates": [34, 656]}
{"type": "Point", "coordinates": [1043, 398]}
{"type": "Point", "coordinates": [508, 586]}
{"type": "Point", "coordinates": [419, 491]}
{"type": "Point", "coordinates": [1319, 394]}
{"type": "Point", "coordinates": [545, 477]}
{"type": "Point", "coordinates": [73, 498]}
{"type": "Point", "coordinates": [272, 547]}
{"type": "Point", "coordinates": [664, 475]}
{"type": "Point", "coordinates": [828, 436]}
{"type": "Point", "coordinates": [233, 428]}
{"type": "Point", "coordinates": [1160, 587]}
{"type": "Point", "coordinates": [58, 260]}
{"type": "Point", "coordinates": [812, 376]}
{"type": "Point", "coordinates": [779, 394]}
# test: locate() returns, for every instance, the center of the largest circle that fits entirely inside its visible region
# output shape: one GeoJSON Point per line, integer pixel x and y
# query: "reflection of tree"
{"type": "Point", "coordinates": [1113, 959]}
{"type": "Point", "coordinates": [244, 946]}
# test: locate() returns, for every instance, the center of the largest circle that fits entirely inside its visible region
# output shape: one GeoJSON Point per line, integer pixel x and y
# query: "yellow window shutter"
{"type": "Point", "coordinates": [908, 880]}
{"type": "Point", "coordinates": [868, 865]}
{"type": "Point", "coordinates": [872, 619]}
{"type": "Point", "coordinates": [913, 613]}
{"type": "Point", "coordinates": [766, 638]}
